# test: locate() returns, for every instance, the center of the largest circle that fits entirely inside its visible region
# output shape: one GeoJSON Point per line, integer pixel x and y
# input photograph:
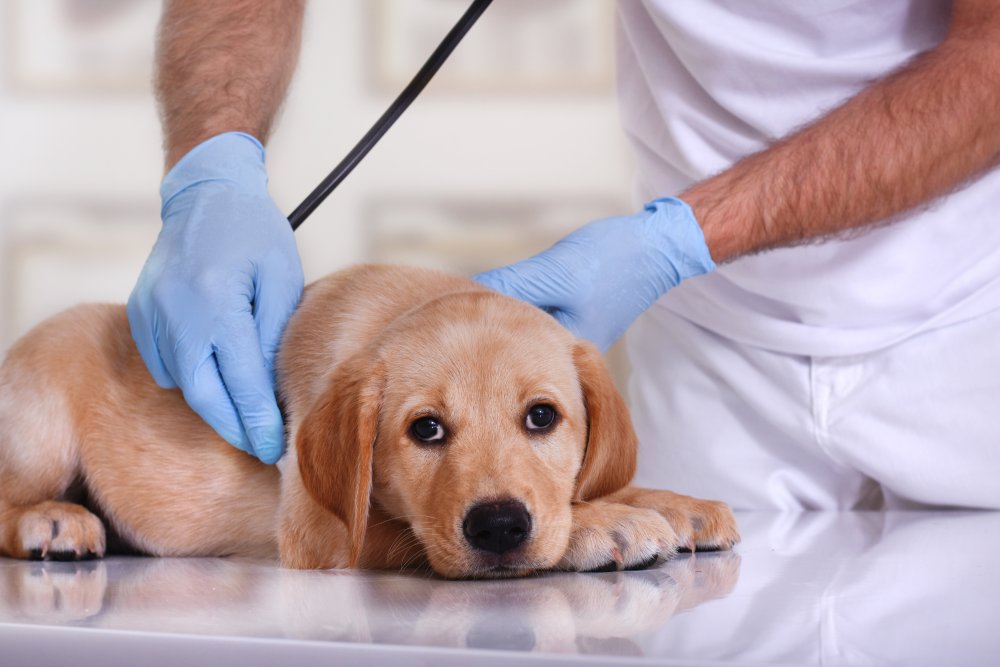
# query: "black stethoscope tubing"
{"type": "Point", "coordinates": [391, 114]}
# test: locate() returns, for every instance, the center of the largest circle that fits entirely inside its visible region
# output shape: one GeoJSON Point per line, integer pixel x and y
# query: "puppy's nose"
{"type": "Point", "coordinates": [498, 526]}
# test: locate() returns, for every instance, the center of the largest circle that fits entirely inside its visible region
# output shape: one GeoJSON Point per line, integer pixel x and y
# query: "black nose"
{"type": "Point", "coordinates": [497, 526]}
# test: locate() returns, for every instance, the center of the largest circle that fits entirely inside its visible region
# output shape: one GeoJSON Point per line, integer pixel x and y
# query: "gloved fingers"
{"type": "Point", "coordinates": [544, 291]}
{"type": "Point", "coordinates": [539, 280]}
{"type": "Point", "coordinates": [494, 279]}
{"type": "Point", "coordinates": [144, 333]}
{"type": "Point", "coordinates": [569, 320]}
{"type": "Point", "coordinates": [250, 383]}
{"type": "Point", "coordinates": [277, 295]}
{"type": "Point", "coordinates": [596, 332]}
{"type": "Point", "coordinates": [207, 395]}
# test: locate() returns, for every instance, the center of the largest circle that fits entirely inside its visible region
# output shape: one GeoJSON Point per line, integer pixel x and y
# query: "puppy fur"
{"type": "Point", "coordinates": [369, 351]}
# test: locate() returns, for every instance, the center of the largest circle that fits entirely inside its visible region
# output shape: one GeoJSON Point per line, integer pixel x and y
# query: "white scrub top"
{"type": "Point", "coordinates": [705, 82]}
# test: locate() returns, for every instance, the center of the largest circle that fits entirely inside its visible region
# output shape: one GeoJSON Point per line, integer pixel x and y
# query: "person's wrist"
{"type": "Point", "coordinates": [233, 158]}
{"type": "Point", "coordinates": [725, 219]}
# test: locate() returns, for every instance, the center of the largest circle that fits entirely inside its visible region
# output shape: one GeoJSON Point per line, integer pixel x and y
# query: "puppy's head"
{"type": "Point", "coordinates": [478, 420]}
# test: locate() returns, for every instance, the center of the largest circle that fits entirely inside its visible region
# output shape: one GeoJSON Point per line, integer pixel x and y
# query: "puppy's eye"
{"type": "Point", "coordinates": [427, 429]}
{"type": "Point", "coordinates": [540, 417]}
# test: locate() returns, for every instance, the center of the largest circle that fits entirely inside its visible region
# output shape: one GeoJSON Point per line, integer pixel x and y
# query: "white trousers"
{"type": "Point", "coordinates": [911, 426]}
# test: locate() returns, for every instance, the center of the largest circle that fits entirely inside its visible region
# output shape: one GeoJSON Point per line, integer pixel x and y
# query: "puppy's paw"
{"type": "Point", "coordinates": [713, 526]}
{"type": "Point", "coordinates": [702, 525]}
{"type": "Point", "coordinates": [609, 536]}
{"type": "Point", "coordinates": [59, 531]}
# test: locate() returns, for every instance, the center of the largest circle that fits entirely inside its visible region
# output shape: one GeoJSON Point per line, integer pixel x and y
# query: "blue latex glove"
{"type": "Point", "coordinates": [213, 298]}
{"type": "Point", "coordinates": [597, 280]}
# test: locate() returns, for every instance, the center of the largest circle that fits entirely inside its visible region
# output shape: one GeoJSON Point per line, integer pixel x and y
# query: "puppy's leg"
{"type": "Point", "coordinates": [309, 536]}
{"type": "Point", "coordinates": [704, 525]}
{"type": "Point", "coordinates": [608, 536]}
{"type": "Point", "coordinates": [313, 540]}
{"type": "Point", "coordinates": [38, 463]}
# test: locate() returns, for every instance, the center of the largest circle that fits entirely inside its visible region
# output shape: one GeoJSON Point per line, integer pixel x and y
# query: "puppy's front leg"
{"type": "Point", "coordinates": [607, 536]}
{"type": "Point", "coordinates": [310, 537]}
{"type": "Point", "coordinates": [704, 525]}
{"type": "Point", "coordinates": [633, 527]}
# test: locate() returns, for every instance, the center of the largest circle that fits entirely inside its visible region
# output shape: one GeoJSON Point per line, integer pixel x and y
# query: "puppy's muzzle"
{"type": "Point", "coordinates": [497, 526]}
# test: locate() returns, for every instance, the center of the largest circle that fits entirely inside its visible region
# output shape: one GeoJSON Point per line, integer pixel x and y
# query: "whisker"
{"type": "Point", "coordinates": [402, 517]}
{"type": "Point", "coordinates": [402, 543]}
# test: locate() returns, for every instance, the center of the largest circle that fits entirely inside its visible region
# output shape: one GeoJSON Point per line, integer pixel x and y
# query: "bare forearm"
{"type": "Point", "coordinates": [906, 139]}
{"type": "Point", "coordinates": [223, 66]}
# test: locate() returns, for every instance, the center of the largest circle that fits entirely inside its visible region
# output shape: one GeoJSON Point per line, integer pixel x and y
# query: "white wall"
{"type": "Point", "coordinates": [515, 144]}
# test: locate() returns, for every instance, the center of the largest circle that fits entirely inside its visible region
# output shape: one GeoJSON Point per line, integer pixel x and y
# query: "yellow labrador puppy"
{"type": "Point", "coordinates": [430, 422]}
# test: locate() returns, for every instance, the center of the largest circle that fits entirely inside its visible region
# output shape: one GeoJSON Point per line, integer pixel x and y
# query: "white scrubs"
{"type": "Point", "coordinates": [861, 373]}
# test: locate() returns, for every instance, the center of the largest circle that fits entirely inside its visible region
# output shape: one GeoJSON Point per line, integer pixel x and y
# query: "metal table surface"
{"type": "Point", "coordinates": [908, 588]}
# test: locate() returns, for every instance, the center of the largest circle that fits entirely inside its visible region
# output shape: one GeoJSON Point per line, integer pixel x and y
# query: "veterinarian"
{"type": "Point", "coordinates": [822, 298]}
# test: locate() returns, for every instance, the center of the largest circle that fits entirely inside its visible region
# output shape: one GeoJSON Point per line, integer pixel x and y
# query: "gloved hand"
{"type": "Point", "coordinates": [222, 280]}
{"type": "Point", "coordinates": [601, 277]}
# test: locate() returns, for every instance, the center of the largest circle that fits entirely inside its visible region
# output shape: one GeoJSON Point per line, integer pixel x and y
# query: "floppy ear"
{"type": "Point", "coordinates": [335, 445]}
{"type": "Point", "coordinates": [609, 460]}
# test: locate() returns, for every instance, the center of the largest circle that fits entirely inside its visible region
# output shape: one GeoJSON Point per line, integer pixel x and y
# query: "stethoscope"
{"type": "Point", "coordinates": [394, 111]}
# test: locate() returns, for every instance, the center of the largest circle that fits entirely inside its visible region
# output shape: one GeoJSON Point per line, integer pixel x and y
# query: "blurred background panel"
{"type": "Point", "coordinates": [79, 45]}
{"type": "Point", "coordinates": [551, 46]}
{"type": "Point", "coordinates": [516, 143]}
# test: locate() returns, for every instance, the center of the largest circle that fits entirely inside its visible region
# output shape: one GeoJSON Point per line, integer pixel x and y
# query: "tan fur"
{"type": "Point", "coordinates": [368, 351]}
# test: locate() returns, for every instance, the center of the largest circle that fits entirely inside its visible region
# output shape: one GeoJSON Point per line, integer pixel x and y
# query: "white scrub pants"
{"type": "Point", "coordinates": [913, 425]}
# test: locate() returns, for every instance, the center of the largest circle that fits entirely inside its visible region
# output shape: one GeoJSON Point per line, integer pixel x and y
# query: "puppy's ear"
{"type": "Point", "coordinates": [609, 461]}
{"type": "Point", "coordinates": [335, 446]}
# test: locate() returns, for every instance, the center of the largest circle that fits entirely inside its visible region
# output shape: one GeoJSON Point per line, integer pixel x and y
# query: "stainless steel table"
{"type": "Point", "coordinates": [902, 588]}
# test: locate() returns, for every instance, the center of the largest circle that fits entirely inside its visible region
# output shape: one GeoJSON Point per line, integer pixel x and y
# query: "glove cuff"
{"type": "Point", "coordinates": [234, 157]}
{"type": "Point", "coordinates": [680, 237]}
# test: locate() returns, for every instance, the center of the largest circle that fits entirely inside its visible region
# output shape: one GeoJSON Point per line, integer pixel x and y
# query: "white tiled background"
{"type": "Point", "coordinates": [516, 142]}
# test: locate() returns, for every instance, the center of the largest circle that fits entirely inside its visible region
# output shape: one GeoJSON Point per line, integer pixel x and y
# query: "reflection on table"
{"type": "Point", "coordinates": [812, 588]}
{"type": "Point", "coordinates": [560, 612]}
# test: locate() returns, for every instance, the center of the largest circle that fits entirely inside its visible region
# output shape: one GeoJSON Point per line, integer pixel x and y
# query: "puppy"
{"type": "Point", "coordinates": [430, 422]}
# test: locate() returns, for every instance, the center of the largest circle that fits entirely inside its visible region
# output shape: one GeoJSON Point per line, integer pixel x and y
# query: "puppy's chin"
{"type": "Point", "coordinates": [465, 563]}
{"type": "Point", "coordinates": [512, 564]}
{"type": "Point", "coordinates": [491, 568]}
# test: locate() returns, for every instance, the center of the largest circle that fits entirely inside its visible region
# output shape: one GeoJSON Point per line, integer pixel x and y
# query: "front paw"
{"type": "Point", "coordinates": [702, 525]}
{"type": "Point", "coordinates": [609, 536]}
{"type": "Point", "coordinates": [713, 526]}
